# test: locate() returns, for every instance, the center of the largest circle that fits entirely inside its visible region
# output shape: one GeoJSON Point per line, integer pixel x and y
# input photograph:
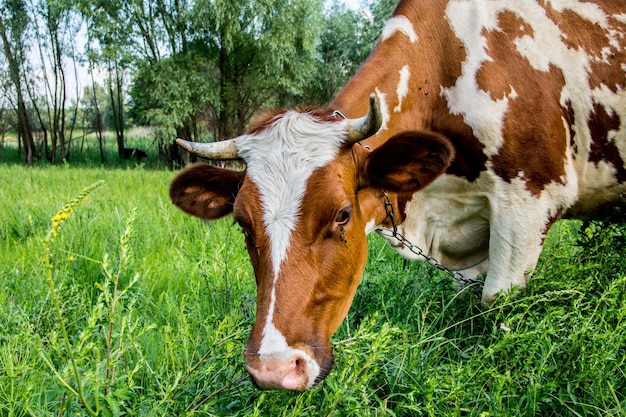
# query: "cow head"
{"type": "Point", "coordinates": [305, 203]}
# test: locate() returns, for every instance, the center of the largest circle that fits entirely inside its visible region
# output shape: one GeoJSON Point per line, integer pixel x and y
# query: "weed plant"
{"type": "Point", "coordinates": [115, 303]}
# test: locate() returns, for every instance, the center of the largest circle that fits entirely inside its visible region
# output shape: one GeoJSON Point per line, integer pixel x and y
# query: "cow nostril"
{"type": "Point", "coordinates": [299, 365]}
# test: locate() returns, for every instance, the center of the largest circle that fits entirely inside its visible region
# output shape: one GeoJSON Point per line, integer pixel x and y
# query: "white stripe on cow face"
{"type": "Point", "coordinates": [280, 160]}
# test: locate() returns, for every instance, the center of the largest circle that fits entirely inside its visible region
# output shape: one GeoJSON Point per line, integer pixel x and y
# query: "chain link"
{"type": "Point", "coordinates": [393, 232]}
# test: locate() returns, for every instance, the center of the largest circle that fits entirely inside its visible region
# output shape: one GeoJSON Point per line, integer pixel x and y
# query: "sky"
{"type": "Point", "coordinates": [353, 4]}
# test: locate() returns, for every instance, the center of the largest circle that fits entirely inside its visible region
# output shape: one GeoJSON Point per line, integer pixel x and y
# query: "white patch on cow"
{"type": "Point", "coordinates": [465, 98]}
{"type": "Point", "coordinates": [279, 162]}
{"type": "Point", "coordinates": [589, 11]}
{"type": "Point", "coordinates": [614, 104]}
{"type": "Point", "coordinates": [403, 87]}
{"type": "Point", "coordinates": [597, 187]}
{"type": "Point", "coordinates": [400, 24]}
{"type": "Point", "coordinates": [384, 109]}
{"type": "Point", "coordinates": [518, 221]}
{"type": "Point", "coordinates": [449, 220]}
{"type": "Point", "coordinates": [370, 226]}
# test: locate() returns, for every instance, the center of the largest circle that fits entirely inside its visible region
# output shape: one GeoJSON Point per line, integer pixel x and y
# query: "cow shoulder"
{"type": "Point", "coordinates": [206, 191]}
{"type": "Point", "coordinates": [408, 161]}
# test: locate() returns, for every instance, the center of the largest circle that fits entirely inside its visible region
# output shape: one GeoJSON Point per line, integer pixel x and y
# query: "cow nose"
{"type": "Point", "coordinates": [293, 373]}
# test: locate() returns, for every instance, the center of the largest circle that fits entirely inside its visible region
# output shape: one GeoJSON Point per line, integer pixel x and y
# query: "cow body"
{"type": "Point", "coordinates": [531, 95]}
{"type": "Point", "coordinates": [496, 118]}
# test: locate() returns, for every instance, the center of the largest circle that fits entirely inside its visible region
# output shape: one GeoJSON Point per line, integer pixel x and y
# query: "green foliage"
{"type": "Point", "coordinates": [157, 306]}
{"type": "Point", "coordinates": [167, 94]}
{"type": "Point", "coordinates": [234, 57]}
{"type": "Point", "coordinates": [195, 69]}
{"type": "Point", "coordinates": [95, 108]}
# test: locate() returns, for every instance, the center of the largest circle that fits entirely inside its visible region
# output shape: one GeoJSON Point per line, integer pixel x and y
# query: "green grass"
{"type": "Point", "coordinates": [85, 153]}
{"type": "Point", "coordinates": [157, 305]}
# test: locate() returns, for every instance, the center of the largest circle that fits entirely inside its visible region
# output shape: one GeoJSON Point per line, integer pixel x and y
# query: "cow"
{"type": "Point", "coordinates": [472, 127]}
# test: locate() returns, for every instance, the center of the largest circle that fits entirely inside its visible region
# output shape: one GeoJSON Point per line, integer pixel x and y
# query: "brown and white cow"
{"type": "Point", "coordinates": [491, 120]}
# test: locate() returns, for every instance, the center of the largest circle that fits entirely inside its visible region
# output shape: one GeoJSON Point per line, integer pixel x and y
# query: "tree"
{"type": "Point", "coordinates": [339, 52]}
{"type": "Point", "coordinates": [4, 120]}
{"type": "Point", "coordinates": [223, 61]}
{"type": "Point", "coordinates": [113, 45]}
{"type": "Point", "coordinates": [264, 54]}
{"type": "Point", "coordinates": [55, 27]}
{"type": "Point", "coordinates": [13, 30]}
{"type": "Point", "coordinates": [93, 118]}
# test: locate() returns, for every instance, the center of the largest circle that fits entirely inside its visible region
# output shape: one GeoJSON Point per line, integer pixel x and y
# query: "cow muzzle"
{"type": "Point", "coordinates": [293, 370]}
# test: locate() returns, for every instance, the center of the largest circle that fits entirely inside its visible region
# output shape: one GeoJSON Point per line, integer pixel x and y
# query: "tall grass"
{"type": "Point", "coordinates": [135, 308]}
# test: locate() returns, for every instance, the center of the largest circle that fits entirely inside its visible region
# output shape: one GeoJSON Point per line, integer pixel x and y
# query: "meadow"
{"type": "Point", "coordinates": [115, 303]}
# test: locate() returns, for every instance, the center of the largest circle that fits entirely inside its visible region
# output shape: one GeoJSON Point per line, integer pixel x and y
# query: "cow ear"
{"type": "Point", "coordinates": [206, 191]}
{"type": "Point", "coordinates": [408, 162]}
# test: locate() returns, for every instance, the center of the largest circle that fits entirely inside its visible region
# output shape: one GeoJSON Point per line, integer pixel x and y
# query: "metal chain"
{"type": "Point", "coordinates": [393, 232]}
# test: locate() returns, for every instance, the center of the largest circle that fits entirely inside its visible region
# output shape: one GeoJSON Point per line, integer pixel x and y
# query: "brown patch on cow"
{"type": "Point", "coordinates": [577, 32]}
{"type": "Point", "coordinates": [606, 58]}
{"type": "Point", "coordinates": [498, 82]}
{"type": "Point", "coordinates": [534, 146]}
{"type": "Point", "coordinates": [609, 72]}
{"type": "Point", "coordinates": [248, 214]}
{"type": "Point", "coordinates": [570, 118]}
{"type": "Point", "coordinates": [603, 148]}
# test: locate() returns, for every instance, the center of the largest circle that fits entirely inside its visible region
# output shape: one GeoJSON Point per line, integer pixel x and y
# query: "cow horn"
{"type": "Point", "coordinates": [218, 151]}
{"type": "Point", "coordinates": [363, 128]}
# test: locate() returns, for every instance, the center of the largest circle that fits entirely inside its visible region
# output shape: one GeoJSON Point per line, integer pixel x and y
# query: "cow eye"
{"type": "Point", "coordinates": [249, 236]}
{"type": "Point", "coordinates": [343, 216]}
{"type": "Point", "coordinates": [246, 232]}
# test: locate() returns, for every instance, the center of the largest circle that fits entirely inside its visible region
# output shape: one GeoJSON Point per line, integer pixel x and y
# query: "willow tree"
{"type": "Point", "coordinates": [229, 58]}
{"type": "Point", "coordinates": [55, 28]}
{"type": "Point", "coordinates": [113, 45]}
{"type": "Point", "coordinates": [14, 24]}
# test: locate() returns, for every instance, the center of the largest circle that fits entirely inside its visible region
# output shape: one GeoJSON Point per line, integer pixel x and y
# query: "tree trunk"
{"type": "Point", "coordinates": [23, 124]}
{"type": "Point", "coordinates": [98, 116]}
{"type": "Point", "coordinates": [117, 106]}
{"type": "Point", "coordinates": [225, 125]}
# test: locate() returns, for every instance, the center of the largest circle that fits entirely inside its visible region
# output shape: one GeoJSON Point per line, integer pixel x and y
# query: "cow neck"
{"type": "Point", "coordinates": [393, 233]}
